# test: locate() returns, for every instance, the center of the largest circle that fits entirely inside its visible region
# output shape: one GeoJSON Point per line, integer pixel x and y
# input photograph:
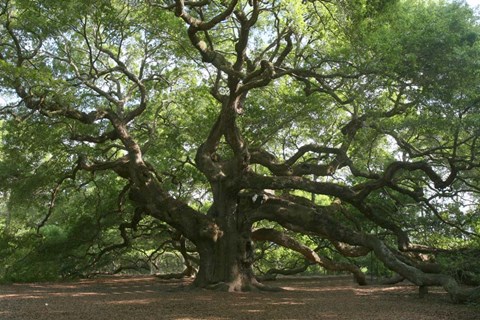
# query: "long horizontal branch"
{"type": "Point", "coordinates": [111, 135]}
{"type": "Point", "coordinates": [292, 167]}
{"type": "Point", "coordinates": [392, 169]}
{"type": "Point", "coordinates": [288, 179]}
{"type": "Point", "coordinates": [252, 180]}
{"type": "Point", "coordinates": [286, 241]}
{"type": "Point", "coordinates": [321, 221]}
{"type": "Point", "coordinates": [120, 166]}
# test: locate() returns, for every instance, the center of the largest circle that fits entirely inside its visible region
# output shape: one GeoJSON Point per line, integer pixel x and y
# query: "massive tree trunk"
{"type": "Point", "coordinates": [227, 262]}
{"type": "Point", "coordinates": [222, 237]}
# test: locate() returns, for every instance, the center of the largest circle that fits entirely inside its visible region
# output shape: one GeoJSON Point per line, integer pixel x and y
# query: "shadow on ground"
{"type": "Point", "coordinates": [120, 298]}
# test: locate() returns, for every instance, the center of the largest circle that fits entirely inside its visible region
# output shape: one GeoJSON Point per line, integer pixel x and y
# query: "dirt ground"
{"type": "Point", "coordinates": [146, 297]}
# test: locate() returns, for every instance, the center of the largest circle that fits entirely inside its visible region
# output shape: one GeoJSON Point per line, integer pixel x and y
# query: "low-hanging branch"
{"type": "Point", "coordinates": [286, 241]}
{"type": "Point", "coordinates": [321, 222]}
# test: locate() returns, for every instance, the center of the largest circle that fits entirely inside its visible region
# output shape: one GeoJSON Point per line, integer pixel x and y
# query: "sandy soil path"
{"type": "Point", "coordinates": [146, 297]}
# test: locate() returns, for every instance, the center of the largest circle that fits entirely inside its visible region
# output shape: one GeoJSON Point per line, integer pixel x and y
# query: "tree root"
{"type": "Point", "coordinates": [235, 287]}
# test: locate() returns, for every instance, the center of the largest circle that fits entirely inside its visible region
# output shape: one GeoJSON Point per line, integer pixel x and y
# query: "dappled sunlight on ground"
{"type": "Point", "coordinates": [134, 301]}
{"type": "Point", "coordinates": [148, 298]}
{"type": "Point", "coordinates": [381, 290]}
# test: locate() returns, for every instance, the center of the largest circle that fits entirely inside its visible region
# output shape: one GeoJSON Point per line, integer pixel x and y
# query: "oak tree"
{"type": "Point", "coordinates": [226, 123]}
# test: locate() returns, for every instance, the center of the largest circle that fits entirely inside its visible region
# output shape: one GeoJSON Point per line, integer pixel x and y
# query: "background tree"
{"type": "Point", "coordinates": [227, 122]}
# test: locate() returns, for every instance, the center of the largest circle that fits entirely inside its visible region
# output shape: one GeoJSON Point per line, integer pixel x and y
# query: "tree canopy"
{"type": "Point", "coordinates": [140, 134]}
